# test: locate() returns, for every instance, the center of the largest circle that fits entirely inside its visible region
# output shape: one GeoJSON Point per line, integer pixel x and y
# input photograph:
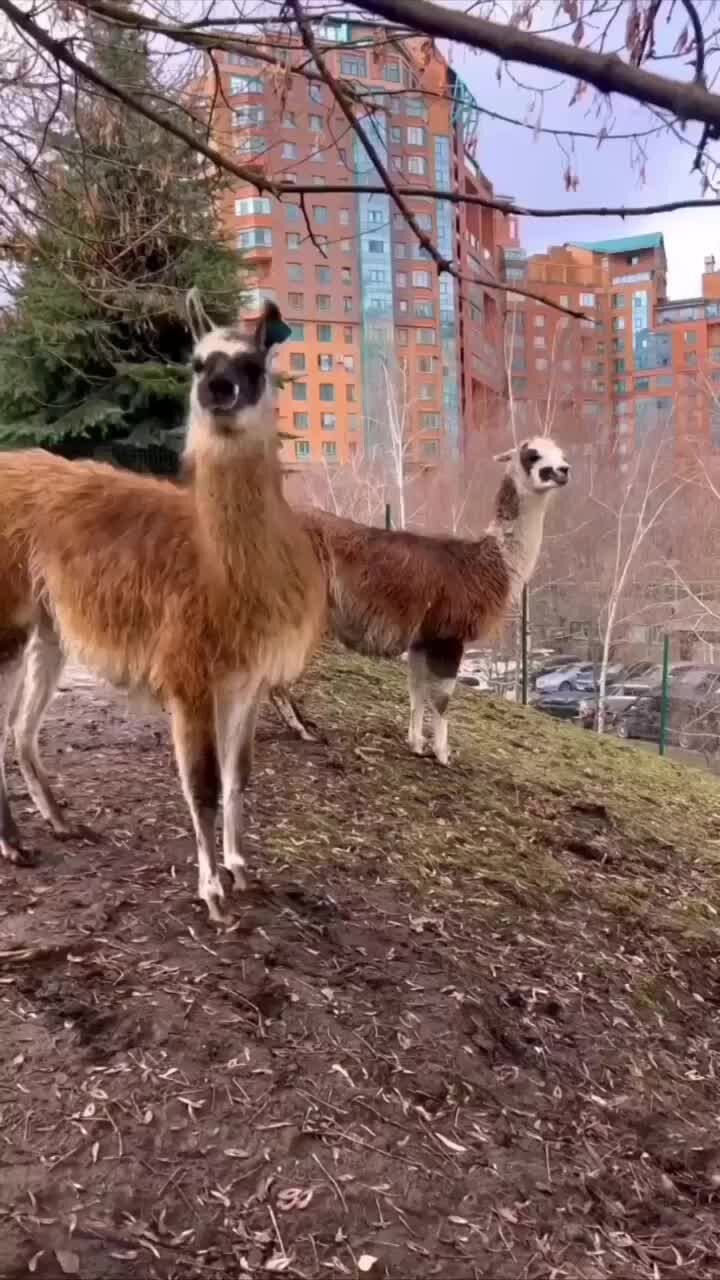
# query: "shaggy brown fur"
{"type": "Point", "coordinates": [201, 597]}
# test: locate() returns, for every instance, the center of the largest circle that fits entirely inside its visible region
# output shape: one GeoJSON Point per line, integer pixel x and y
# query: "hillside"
{"type": "Point", "coordinates": [466, 1023]}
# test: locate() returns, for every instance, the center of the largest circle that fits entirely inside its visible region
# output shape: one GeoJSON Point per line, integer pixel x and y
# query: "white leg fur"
{"type": "Point", "coordinates": [10, 686]}
{"type": "Point", "coordinates": [418, 684]}
{"type": "Point", "coordinates": [236, 708]}
{"type": "Point", "coordinates": [288, 715]}
{"type": "Point", "coordinates": [44, 661]}
{"type": "Point", "coordinates": [198, 769]}
{"type": "Point", "coordinates": [441, 692]}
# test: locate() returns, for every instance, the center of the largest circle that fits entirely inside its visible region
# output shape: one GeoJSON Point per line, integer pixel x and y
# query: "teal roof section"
{"type": "Point", "coordinates": [628, 244]}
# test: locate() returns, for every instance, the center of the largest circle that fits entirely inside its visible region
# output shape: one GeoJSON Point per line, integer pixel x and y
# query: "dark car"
{"type": "Point", "coordinates": [582, 708]}
{"type": "Point", "coordinates": [553, 664]}
{"type": "Point", "coordinates": [693, 713]}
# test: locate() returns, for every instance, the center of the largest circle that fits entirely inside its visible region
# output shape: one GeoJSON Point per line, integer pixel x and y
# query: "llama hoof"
{"type": "Point", "coordinates": [417, 748]}
{"type": "Point", "coordinates": [73, 831]}
{"type": "Point", "coordinates": [212, 893]}
{"type": "Point", "coordinates": [235, 868]}
{"type": "Point", "coordinates": [442, 757]}
{"type": "Point", "coordinates": [13, 852]}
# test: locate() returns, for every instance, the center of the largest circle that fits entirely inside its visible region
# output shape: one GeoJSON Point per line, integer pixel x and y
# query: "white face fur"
{"type": "Point", "coordinates": [537, 465]}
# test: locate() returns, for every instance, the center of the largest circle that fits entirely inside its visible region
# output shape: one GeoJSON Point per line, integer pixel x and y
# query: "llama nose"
{"type": "Point", "coordinates": [561, 475]}
{"type": "Point", "coordinates": [222, 388]}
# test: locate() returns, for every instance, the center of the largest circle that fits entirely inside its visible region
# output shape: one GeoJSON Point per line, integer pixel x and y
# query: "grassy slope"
{"type": "Point", "coordinates": [531, 812]}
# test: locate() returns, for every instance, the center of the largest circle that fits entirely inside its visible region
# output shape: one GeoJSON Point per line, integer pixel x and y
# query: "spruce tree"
{"type": "Point", "coordinates": [125, 220]}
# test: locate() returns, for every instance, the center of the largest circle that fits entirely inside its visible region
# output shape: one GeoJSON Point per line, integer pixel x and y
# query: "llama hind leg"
{"type": "Point", "coordinates": [197, 763]}
{"type": "Point", "coordinates": [418, 687]}
{"type": "Point", "coordinates": [289, 714]}
{"type": "Point", "coordinates": [10, 690]}
{"type": "Point", "coordinates": [443, 662]}
{"type": "Point", "coordinates": [236, 709]}
{"type": "Point", "coordinates": [44, 661]}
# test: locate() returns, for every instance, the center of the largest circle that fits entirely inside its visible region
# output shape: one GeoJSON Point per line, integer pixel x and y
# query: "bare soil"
{"type": "Point", "coordinates": [465, 1025]}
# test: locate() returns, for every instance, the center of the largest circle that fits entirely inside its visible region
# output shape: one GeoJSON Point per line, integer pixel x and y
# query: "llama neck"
{"type": "Point", "coordinates": [518, 527]}
{"type": "Point", "coordinates": [237, 493]}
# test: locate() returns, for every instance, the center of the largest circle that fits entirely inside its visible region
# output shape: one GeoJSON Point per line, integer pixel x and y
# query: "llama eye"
{"type": "Point", "coordinates": [198, 365]}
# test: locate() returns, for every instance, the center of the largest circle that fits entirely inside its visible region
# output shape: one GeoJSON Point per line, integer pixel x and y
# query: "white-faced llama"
{"type": "Point", "coordinates": [202, 597]}
{"type": "Point", "coordinates": [395, 592]}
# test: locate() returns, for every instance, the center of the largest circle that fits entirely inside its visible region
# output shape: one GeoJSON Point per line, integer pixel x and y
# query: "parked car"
{"type": "Point", "coordinates": [693, 710]}
{"type": "Point", "coordinates": [574, 705]}
{"type": "Point", "coordinates": [588, 681]}
{"type": "Point", "coordinates": [563, 679]}
{"type": "Point", "coordinates": [550, 664]}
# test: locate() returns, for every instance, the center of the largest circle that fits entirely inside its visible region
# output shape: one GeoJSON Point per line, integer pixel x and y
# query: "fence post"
{"type": "Point", "coordinates": [524, 644]}
{"type": "Point", "coordinates": [388, 516]}
{"type": "Point", "coordinates": [665, 696]}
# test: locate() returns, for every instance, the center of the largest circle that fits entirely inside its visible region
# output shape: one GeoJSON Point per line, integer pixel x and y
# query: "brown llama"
{"type": "Point", "coordinates": [391, 592]}
{"type": "Point", "coordinates": [201, 598]}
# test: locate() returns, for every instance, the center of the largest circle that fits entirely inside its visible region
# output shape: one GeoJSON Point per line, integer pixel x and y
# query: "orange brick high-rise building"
{"type": "Point", "coordinates": [365, 301]}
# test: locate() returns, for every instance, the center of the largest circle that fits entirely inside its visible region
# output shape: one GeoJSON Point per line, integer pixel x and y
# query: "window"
{"type": "Point", "coordinates": [618, 322]}
{"type": "Point", "coordinates": [401, 279]}
{"type": "Point", "coordinates": [416, 135]}
{"type": "Point", "coordinates": [329, 449]}
{"type": "Point", "coordinates": [324, 333]}
{"type": "Point", "coordinates": [347, 335]}
{"type": "Point", "coordinates": [257, 204]}
{"type": "Point", "coordinates": [323, 275]}
{"type": "Point", "coordinates": [539, 322]}
{"type": "Point", "coordinates": [347, 304]}
{"type": "Point", "coordinates": [290, 177]}
{"type": "Point", "coordinates": [376, 246]}
{"type": "Point", "coordinates": [295, 272]}
{"type": "Point", "coordinates": [421, 279]}
{"type": "Point", "coordinates": [427, 364]}
{"type": "Point", "coordinates": [430, 421]}
{"type": "Point", "coordinates": [289, 120]}
{"type": "Point", "coordinates": [376, 217]}
{"type": "Point", "coordinates": [250, 146]}
{"type": "Point", "coordinates": [299, 391]}
{"type": "Point", "coordinates": [245, 116]}
{"type": "Point", "coordinates": [346, 275]}
{"type": "Point", "coordinates": [292, 212]}
{"type": "Point", "coordinates": [430, 448]}
{"type": "Point", "coordinates": [353, 66]}
{"type": "Point", "coordinates": [245, 84]}
{"type": "Point", "coordinates": [642, 384]}
{"type": "Point", "coordinates": [289, 151]}
{"type": "Point", "coordinates": [402, 337]}
{"type": "Point", "coordinates": [402, 306]}
{"type": "Point", "coordinates": [325, 363]}
{"type": "Point", "coordinates": [539, 340]}
{"type": "Point", "coordinates": [621, 387]}
{"type": "Point", "coordinates": [665, 380]}
{"type": "Point", "coordinates": [618, 344]}
{"type": "Point", "coordinates": [395, 133]}
{"type": "Point", "coordinates": [328, 421]}
{"type": "Point", "coordinates": [316, 93]}
{"type": "Point", "coordinates": [349, 362]}
{"type": "Point", "coordinates": [302, 448]}
{"type": "Point", "coordinates": [391, 71]}
{"type": "Point", "coordinates": [427, 391]}
{"type": "Point", "coordinates": [620, 366]}
{"type": "Point", "coordinates": [296, 299]}
{"type": "Point", "coordinates": [316, 157]}
{"type": "Point", "coordinates": [426, 337]}
{"type": "Point", "coordinates": [316, 124]}
{"type": "Point", "coordinates": [297, 332]}
{"type": "Point", "coordinates": [425, 310]}
{"type": "Point", "coordinates": [345, 246]}
{"type": "Point", "coordinates": [301, 421]}
{"type": "Point", "coordinates": [342, 156]}
{"type": "Point", "coordinates": [254, 238]}
{"type": "Point", "coordinates": [322, 301]}
{"type": "Point", "coordinates": [344, 217]}
{"type": "Point", "coordinates": [292, 240]}
{"type": "Point", "coordinates": [417, 165]}
{"type": "Point", "coordinates": [401, 251]}
{"type": "Point", "coordinates": [425, 222]}
{"type": "Point", "coordinates": [617, 301]}
{"type": "Point", "coordinates": [690, 337]}
{"type": "Point", "coordinates": [297, 361]}
{"type": "Point", "coordinates": [320, 213]}
{"type": "Point", "coordinates": [377, 276]}
{"type": "Point", "coordinates": [416, 107]}
{"type": "Point", "coordinates": [564, 300]}
{"type": "Point", "coordinates": [350, 393]}
{"type": "Point", "coordinates": [587, 299]}
{"type": "Point", "coordinates": [691, 359]}
{"type": "Point", "coordinates": [327, 391]}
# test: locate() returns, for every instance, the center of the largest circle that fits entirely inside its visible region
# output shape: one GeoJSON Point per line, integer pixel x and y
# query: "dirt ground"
{"type": "Point", "coordinates": [398, 1062]}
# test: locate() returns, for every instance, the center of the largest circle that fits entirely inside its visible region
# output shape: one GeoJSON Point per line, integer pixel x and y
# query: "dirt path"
{"type": "Point", "coordinates": [353, 1081]}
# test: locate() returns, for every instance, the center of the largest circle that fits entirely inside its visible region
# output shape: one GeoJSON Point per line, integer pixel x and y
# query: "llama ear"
{"type": "Point", "coordinates": [197, 316]}
{"type": "Point", "coordinates": [271, 329]}
{"type": "Point", "coordinates": [506, 456]}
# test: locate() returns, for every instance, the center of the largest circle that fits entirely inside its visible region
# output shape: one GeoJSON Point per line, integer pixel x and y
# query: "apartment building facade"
{"type": "Point", "coordinates": [640, 367]}
{"type": "Point", "coordinates": [385, 351]}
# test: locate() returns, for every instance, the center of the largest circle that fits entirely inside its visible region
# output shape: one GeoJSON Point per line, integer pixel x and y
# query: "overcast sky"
{"type": "Point", "coordinates": [531, 168]}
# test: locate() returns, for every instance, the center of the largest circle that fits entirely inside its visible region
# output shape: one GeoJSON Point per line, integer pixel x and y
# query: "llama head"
{"type": "Point", "coordinates": [537, 465]}
{"type": "Point", "coordinates": [232, 381]}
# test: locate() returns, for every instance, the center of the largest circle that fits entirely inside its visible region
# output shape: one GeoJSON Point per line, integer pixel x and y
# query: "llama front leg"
{"type": "Point", "coordinates": [44, 661]}
{"type": "Point", "coordinates": [443, 659]}
{"type": "Point", "coordinates": [290, 714]}
{"type": "Point", "coordinates": [197, 763]}
{"type": "Point", "coordinates": [418, 687]}
{"type": "Point", "coordinates": [236, 709]}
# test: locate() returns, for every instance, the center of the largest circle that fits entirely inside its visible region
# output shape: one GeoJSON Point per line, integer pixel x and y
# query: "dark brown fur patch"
{"type": "Point", "coordinates": [507, 503]}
